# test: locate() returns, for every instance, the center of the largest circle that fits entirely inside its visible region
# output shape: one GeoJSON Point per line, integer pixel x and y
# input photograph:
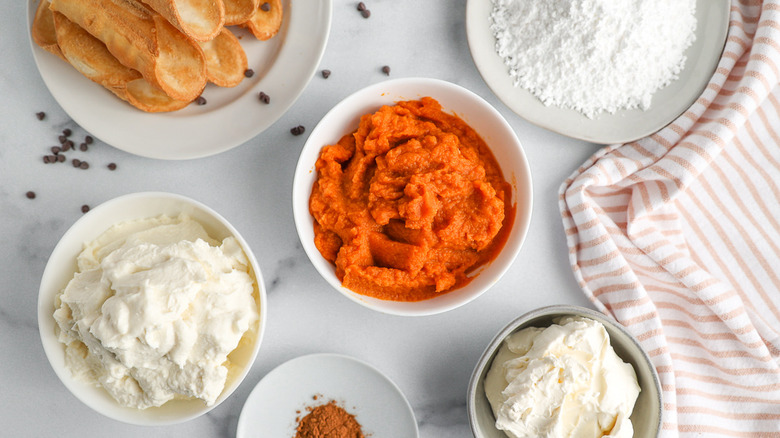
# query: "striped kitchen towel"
{"type": "Point", "coordinates": [678, 237]}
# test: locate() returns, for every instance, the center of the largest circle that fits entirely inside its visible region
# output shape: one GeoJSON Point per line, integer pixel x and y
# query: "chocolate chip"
{"type": "Point", "coordinates": [83, 147]}
{"type": "Point", "coordinates": [40, 115]}
{"type": "Point", "coordinates": [264, 98]}
{"type": "Point", "coordinates": [76, 162]}
{"type": "Point", "coordinates": [62, 139]}
{"type": "Point", "coordinates": [61, 158]}
{"type": "Point", "coordinates": [111, 166]}
{"type": "Point", "coordinates": [200, 100]}
{"type": "Point", "coordinates": [66, 146]}
{"type": "Point", "coordinates": [30, 195]}
{"type": "Point", "coordinates": [46, 159]}
{"type": "Point", "coordinates": [88, 139]}
{"type": "Point", "coordinates": [386, 70]}
{"type": "Point", "coordinates": [83, 165]}
{"type": "Point", "coordinates": [249, 72]}
{"type": "Point", "coordinates": [55, 150]}
{"type": "Point", "coordinates": [298, 130]}
{"type": "Point", "coordinates": [265, 7]}
{"type": "Point", "coordinates": [325, 74]}
{"type": "Point", "coordinates": [52, 158]}
{"type": "Point", "coordinates": [365, 13]}
{"type": "Point", "coordinates": [361, 7]}
{"type": "Point", "coordinates": [84, 208]}
{"type": "Point", "coordinates": [67, 132]}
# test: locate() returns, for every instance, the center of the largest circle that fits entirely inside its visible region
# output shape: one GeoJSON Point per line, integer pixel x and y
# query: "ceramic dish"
{"type": "Point", "coordinates": [285, 393]}
{"type": "Point", "coordinates": [646, 416]}
{"type": "Point", "coordinates": [283, 67]}
{"type": "Point", "coordinates": [62, 265]}
{"type": "Point", "coordinates": [626, 125]}
{"type": "Point", "coordinates": [482, 117]}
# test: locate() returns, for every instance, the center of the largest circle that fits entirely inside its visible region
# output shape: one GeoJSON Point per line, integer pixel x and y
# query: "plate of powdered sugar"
{"type": "Point", "coordinates": [604, 71]}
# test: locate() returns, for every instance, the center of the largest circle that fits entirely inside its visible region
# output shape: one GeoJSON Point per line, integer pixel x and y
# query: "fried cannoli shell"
{"type": "Point", "coordinates": [143, 40]}
{"type": "Point", "coordinates": [225, 59]}
{"type": "Point", "coordinates": [239, 11]}
{"type": "Point", "coordinates": [91, 58]}
{"type": "Point", "coordinates": [43, 29]}
{"type": "Point", "coordinates": [200, 20]}
{"type": "Point", "coordinates": [265, 24]}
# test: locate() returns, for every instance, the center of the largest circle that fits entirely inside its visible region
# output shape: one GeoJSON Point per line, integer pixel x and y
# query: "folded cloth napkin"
{"type": "Point", "coordinates": [677, 236]}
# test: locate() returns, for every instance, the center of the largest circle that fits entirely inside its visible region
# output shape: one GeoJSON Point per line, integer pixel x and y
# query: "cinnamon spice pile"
{"type": "Point", "coordinates": [328, 421]}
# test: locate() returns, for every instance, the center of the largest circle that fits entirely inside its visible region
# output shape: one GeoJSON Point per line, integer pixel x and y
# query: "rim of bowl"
{"type": "Point", "coordinates": [91, 396]}
{"type": "Point", "coordinates": [370, 98]}
{"type": "Point", "coordinates": [548, 311]}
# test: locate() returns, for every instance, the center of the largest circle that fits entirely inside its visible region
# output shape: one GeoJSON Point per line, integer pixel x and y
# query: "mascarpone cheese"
{"type": "Point", "coordinates": [564, 380]}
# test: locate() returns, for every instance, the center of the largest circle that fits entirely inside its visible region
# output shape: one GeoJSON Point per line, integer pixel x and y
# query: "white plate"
{"type": "Point", "coordinates": [284, 393]}
{"type": "Point", "coordinates": [283, 67]}
{"type": "Point", "coordinates": [626, 125]}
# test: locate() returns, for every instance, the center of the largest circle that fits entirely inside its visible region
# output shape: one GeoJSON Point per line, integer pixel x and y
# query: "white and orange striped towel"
{"type": "Point", "coordinates": [678, 237]}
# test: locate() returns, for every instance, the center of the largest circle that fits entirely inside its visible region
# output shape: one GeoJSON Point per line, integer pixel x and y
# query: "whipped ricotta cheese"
{"type": "Point", "coordinates": [564, 380]}
{"type": "Point", "coordinates": [154, 309]}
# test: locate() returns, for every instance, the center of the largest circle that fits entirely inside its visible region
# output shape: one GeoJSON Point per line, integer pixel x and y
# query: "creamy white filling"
{"type": "Point", "coordinates": [154, 310]}
{"type": "Point", "coordinates": [562, 381]}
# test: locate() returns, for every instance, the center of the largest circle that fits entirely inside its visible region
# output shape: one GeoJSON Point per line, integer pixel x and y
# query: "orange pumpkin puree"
{"type": "Point", "coordinates": [409, 204]}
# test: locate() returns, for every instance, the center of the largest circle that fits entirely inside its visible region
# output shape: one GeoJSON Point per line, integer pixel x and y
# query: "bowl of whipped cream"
{"type": "Point", "coordinates": [151, 309]}
{"type": "Point", "coordinates": [564, 371]}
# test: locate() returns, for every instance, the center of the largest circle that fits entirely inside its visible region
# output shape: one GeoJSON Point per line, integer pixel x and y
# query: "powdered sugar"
{"type": "Point", "coordinates": [593, 55]}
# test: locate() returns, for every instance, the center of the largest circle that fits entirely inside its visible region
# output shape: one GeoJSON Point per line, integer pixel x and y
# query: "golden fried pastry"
{"type": "Point", "coordinates": [267, 20]}
{"type": "Point", "coordinates": [91, 58]}
{"type": "Point", "coordinates": [143, 40]}
{"type": "Point", "coordinates": [200, 20]}
{"type": "Point", "coordinates": [239, 11]}
{"type": "Point", "coordinates": [43, 29]}
{"type": "Point", "coordinates": [225, 59]}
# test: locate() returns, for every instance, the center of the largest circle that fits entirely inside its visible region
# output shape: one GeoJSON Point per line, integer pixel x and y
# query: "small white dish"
{"type": "Point", "coordinates": [283, 67]}
{"type": "Point", "coordinates": [284, 394]}
{"type": "Point", "coordinates": [625, 125]}
{"type": "Point", "coordinates": [475, 111]}
{"type": "Point", "coordinates": [646, 416]}
{"type": "Point", "coordinates": [61, 267]}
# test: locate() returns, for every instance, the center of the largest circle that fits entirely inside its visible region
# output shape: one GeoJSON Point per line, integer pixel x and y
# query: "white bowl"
{"type": "Point", "coordinates": [62, 265]}
{"type": "Point", "coordinates": [646, 416]}
{"type": "Point", "coordinates": [475, 111]}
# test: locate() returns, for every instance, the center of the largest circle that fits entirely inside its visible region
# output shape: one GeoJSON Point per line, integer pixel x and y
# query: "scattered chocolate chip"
{"type": "Point", "coordinates": [84, 208]}
{"type": "Point", "coordinates": [365, 13]}
{"type": "Point", "coordinates": [88, 139]}
{"type": "Point", "coordinates": [46, 159]}
{"type": "Point", "coordinates": [62, 139]}
{"type": "Point", "coordinates": [265, 7]}
{"type": "Point", "coordinates": [264, 98]}
{"type": "Point", "coordinates": [66, 146]}
{"type": "Point", "coordinates": [52, 158]}
{"type": "Point", "coordinates": [76, 162]}
{"type": "Point", "coordinates": [325, 74]}
{"type": "Point", "coordinates": [83, 147]}
{"type": "Point", "coordinates": [61, 158]}
{"type": "Point", "coordinates": [111, 166]}
{"type": "Point", "coordinates": [249, 72]}
{"type": "Point", "coordinates": [67, 132]}
{"type": "Point", "coordinates": [386, 70]}
{"type": "Point", "coordinates": [361, 7]}
{"type": "Point", "coordinates": [83, 165]}
{"type": "Point", "coordinates": [40, 115]}
{"type": "Point", "coordinates": [298, 130]}
{"type": "Point", "coordinates": [200, 100]}
{"type": "Point", "coordinates": [30, 195]}
{"type": "Point", "coordinates": [55, 150]}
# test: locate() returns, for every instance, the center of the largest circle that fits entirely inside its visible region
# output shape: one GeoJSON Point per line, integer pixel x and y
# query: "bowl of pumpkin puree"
{"type": "Point", "coordinates": [412, 196]}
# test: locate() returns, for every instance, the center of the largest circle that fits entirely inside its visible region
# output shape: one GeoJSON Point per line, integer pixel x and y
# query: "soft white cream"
{"type": "Point", "coordinates": [564, 380]}
{"type": "Point", "coordinates": [154, 309]}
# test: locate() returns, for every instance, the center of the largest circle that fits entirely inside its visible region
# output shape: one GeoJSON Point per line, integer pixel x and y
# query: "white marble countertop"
{"type": "Point", "coordinates": [430, 358]}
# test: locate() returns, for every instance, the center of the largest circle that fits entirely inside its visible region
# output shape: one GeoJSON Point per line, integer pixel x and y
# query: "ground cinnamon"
{"type": "Point", "coordinates": [329, 421]}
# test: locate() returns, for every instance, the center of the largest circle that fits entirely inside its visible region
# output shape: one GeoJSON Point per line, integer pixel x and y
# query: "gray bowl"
{"type": "Point", "coordinates": [646, 416]}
